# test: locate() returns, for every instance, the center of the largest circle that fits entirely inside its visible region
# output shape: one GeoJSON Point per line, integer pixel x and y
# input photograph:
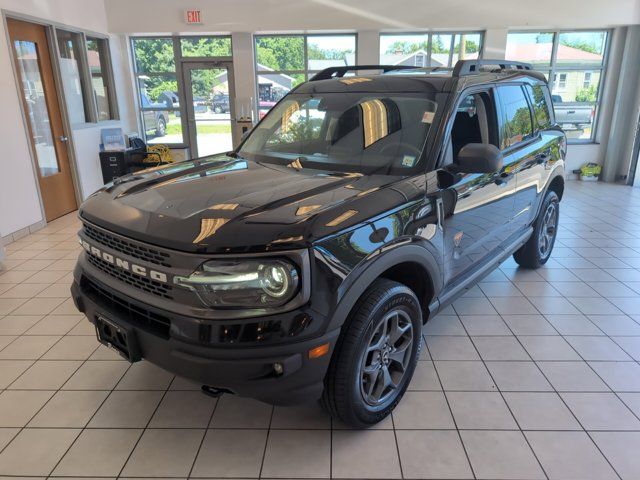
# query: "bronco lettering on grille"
{"type": "Point", "coordinates": [125, 264]}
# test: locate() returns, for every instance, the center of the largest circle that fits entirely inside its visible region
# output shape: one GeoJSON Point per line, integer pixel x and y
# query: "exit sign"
{"type": "Point", "coordinates": [193, 17]}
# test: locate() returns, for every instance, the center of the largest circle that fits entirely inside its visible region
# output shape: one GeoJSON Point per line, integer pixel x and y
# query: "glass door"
{"type": "Point", "coordinates": [210, 106]}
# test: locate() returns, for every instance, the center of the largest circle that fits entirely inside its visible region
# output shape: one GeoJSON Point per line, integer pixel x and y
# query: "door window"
{"type": "Point", "coordinates": [517, 115]}
{"type": "Point", "coordinates": [475, 122]}
{"type": "Point", "coordinates": [541, 108]}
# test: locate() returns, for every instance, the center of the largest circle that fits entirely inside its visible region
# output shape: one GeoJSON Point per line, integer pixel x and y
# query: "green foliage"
{"type": "Point", "coordinates": [588, 94]}
{"type": "Point", "coordinates": [206, 47]}
{"type": "Point", "coordinates": [157, 85]}
{"type": "Point", "coordinates": [154, 55]}
{"type": "Point", "coordinates": [581, 45]}
{"type": "Point", "coordinates": [281, 53]}
{"type": "Point", "coordinates": [438, 46]}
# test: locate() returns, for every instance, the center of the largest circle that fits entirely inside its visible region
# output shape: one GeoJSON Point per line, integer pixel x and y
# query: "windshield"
{"type": "Point", "coordinates": [354, 132]}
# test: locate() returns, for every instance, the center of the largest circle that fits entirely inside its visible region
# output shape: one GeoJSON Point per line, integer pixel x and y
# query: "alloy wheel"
{"type": "Point", "coordinates": [548, 230]}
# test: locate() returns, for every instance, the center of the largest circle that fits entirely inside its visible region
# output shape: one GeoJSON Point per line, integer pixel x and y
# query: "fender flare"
{"type": "Point", "coordinates": [367, 271]}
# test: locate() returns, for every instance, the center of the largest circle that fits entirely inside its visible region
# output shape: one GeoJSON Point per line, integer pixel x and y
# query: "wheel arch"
{"type": "Point", "coordinates": [412, 265]}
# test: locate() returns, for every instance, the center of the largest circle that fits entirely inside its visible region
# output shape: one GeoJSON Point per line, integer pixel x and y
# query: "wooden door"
{"type": "Point", "coordinates": [40, 101]}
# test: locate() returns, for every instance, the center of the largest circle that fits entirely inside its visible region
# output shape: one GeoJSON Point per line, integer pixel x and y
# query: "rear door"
{"type": "Point", "coordinates": [529, 144]}
{"type": "Point", "coordinates": [482, 206]}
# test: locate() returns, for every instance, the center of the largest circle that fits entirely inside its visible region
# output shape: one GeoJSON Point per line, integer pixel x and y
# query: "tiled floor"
{"type": "Point", "coordinates": [533, 374]}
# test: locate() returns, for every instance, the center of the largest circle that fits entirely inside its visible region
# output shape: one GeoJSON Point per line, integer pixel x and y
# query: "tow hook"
{"type": "Point", "coordinates": [212, 391]}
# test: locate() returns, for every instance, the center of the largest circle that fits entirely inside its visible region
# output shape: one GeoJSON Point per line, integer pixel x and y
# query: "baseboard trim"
{"type": "Point", "coordinates": [23, 232]}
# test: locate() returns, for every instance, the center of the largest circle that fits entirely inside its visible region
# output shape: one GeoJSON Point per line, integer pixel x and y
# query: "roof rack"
{"type": "Point", "coordinates": [472, 67]}
{"type": "Point", "coordinates": [338, 72]}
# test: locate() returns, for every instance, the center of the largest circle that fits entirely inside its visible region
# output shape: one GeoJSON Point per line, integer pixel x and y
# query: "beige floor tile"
{"type": "Point", "coordinates": [423, 410]}
{"type": "Point", "coordinates": [28, 347]}
{"type": "Point", "coordinates": [25, 290]}
{"type": "Point", "coordinates": [46, 374]}
{"type": "Point", "coordinates": [231, 453]}
{"type": "Point", "coordinates": [9, 305]}
{"type": "Point", "coordinates": [56, 291]}
{"type": "Point", "coordinates": [373, 449]}
{"type": "Point", "coordinates": [69, 409]}
{"type": "Point", "coordinates": [145, 376]}
{"type": "Point", "coordinates": [98, 453]}
{"type": "Point", "coordinates": [184, 410]}
{"type": "Point", "coordinates": [67, 307]}
{"type": "Point", "coordinates": [480, 410]}
{"type": "Point", "coordinates": [12, 369]}
{"type": "Point", "coordinates": [164, 453]}
{"type": "Point", "coordinates": [621, 449]}
{"type": "Point", "coordinates": [446, 457]}
{"type": "Point", "coordinates": [466, 375]}
{"type": "Point", "coordinates": [72, 348]}
{"type": "Point", "coordinates": [126, 409]}
{"type": "Point", "coordinates": [36, 451]}
{"type": "Point", "coordinates": [307, 416]}
{"type": "Point", "coordinates": [17, 407]}
{"type": "Point", "coordinates": [98, 375]}
{"type": "Point", "coordinates": [44, 277]}
{"type": "Point", "coordinates": [540, 411]}
{"type": "Point", "coordinates": [298, 454]}
{"type": "Point", "coordinates": [17, 324]}
{"type": "Point", "coordinates": [38, 306]}
{"type": "Point", "coordinates": [240, 412]}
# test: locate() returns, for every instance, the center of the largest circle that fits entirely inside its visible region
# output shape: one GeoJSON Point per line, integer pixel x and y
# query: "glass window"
{"type": "Point", "coordinates": [285, 61]}
{"type": "Point", "coordinates": [517, 115]}
{"type": "Point", "coordinates": [429, 50]}
{"type": "Point", "coordinates": [574, 73]}
{"type": "Point", "coordinates": [355, 132]}
{"type": "Point", "coordinates": [205, 46]}
{"type": "Point", "coordinates": [72, 71]}
{"type": "Point", "coordinates": [540, 106]}
{"type": "Point", "coordinates": [154, 55]}
{"type": "Point", "coordinates": [98, 55]}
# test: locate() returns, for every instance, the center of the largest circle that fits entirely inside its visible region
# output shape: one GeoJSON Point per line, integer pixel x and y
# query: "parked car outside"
{"type": "Point", "coordinates": [154, 117]}
{"type": "Point", "coordinates": [304, 264]}
{"type": "Point", "coordinates": [220, 103]}
{"type": "Point", "coordinates": [575, 117]}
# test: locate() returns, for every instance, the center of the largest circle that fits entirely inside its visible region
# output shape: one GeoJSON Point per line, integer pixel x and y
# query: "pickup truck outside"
{"type": "Point", "coordinates": [572, 116]}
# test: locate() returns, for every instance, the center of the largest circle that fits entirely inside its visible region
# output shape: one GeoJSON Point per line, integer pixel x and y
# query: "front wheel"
{"type": "Point", "coordinates": [376, 355]}
{"type": "Point", "coordinates": [537, 250]}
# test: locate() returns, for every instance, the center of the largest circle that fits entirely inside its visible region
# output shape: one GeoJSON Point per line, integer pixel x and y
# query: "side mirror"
{"type": "Point", "coordinates": [479, 158]}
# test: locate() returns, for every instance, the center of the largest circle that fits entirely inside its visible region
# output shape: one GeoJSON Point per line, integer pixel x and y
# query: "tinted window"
{"type": "Point", "coordinates": [517, 115]}
{"type": "Point", "coordinates": [540, 106]}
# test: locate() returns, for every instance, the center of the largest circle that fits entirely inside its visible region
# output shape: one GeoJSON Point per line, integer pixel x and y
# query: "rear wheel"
{"type": "Point", "coordinates": [376, 355]}
{"type": "Point", "coordinates": [161, 127]}
{"type": "Point", "coordinates": [538, 248]}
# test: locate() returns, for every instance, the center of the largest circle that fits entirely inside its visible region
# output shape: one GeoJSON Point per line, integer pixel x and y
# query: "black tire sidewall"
{"type": "Point", "coordinates": [550, 197]}
{"type": "Point", "coordinates": [399, 297]}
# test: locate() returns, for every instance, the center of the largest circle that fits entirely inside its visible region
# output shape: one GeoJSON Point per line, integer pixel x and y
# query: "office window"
{"type": "Point", "coordinates": [101, 79]}
{"type": "Point", "coordinates": [429, 49]}
{"type": "Point", "coordinates": [574, 62]}
{"type": "Point", "coordinates": [72, 67]}
{"type": "Point", "coordinates": [285, 61]}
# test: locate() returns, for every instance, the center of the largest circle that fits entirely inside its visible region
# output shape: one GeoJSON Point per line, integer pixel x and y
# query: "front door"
{"type": "Point", "coordinates": [210, 109]}
{"type": "Point", "coordinates": [44, 120]}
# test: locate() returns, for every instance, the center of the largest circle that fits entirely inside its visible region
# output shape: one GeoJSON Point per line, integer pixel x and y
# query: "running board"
{"type": "Point", "coordinates": [458, 289]}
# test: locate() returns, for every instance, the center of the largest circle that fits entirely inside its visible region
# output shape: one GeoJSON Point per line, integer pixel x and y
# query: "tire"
{"type": "Point", "coordinates": [217, 109]}
{"type": "Point", "coordinates": [538, 248]}
{"type": "Point", "coordinates": [161, 127]}
{"type": "Point", "coordinates": [356, 374]}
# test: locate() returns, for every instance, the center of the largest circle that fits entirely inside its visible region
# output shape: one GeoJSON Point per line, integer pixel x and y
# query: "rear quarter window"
{"type": "Point", "coordinates": [541, 107]}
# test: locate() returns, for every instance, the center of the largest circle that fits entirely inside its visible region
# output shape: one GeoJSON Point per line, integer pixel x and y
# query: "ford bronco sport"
{"type": "Point", "coordinates": [303, 264]}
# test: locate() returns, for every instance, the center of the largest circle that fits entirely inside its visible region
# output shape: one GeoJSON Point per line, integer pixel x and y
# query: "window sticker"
{"type": "Point", "coordinates": [408, 161]}
{"type": "Point", "coordinates": [427, 117]}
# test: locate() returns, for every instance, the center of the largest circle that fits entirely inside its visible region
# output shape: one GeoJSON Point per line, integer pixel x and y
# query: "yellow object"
{"type": "Point", "coordinates": [163, 154]}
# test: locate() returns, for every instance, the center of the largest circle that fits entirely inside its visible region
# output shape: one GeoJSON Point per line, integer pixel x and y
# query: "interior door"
{"type": "Point", "coordinates": [209, 92]}
{"type": "Point", "coordinates": [40, 101]}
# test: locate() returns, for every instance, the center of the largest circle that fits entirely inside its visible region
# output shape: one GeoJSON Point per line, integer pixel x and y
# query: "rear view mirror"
{"type": "Point", "coordinates": [479, 158]}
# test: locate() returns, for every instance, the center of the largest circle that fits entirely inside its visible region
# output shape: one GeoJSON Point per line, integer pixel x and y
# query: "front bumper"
{"type": "Point", "coordinates": [246, 371]}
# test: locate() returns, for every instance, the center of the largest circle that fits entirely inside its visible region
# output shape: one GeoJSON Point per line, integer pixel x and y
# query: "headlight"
{"type": "Point", "coordinates": [252, 283]}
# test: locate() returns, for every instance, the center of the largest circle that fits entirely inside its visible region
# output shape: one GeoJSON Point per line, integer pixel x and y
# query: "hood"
{"type": "Point", "coordinates": [221, 204]}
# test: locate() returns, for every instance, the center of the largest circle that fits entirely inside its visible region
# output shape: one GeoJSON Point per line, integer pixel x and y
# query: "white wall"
{"type": "Point", "coordinates": [19, 200]}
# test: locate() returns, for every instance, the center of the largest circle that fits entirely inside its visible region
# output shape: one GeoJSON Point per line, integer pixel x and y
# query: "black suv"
{"type": "Point", "coordinates": [303, 264]}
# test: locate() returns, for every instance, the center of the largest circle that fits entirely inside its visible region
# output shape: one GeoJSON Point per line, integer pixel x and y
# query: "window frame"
{"type": "Point", "coordinates": [553, 68]}
{"type": "Point", "coordinates": [90, 103]}
{"type": "Point", "coordinates": [178, 59]}
{"type": "Point", "coordinates": [306, 72]}
{"type": "Point", "coordinates": [430, 34]}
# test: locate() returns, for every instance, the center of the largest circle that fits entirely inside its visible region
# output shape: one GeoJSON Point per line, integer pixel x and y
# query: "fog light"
{"type": "Point", "coordinates": [278, 368]}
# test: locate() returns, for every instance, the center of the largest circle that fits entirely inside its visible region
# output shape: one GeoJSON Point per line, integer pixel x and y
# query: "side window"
{"type": "Point", "coordinates": [517, 115]}
{"type": "Point", "coordinates": [474, 122]}
{"type": "Point", "coordinates": [541, 108]}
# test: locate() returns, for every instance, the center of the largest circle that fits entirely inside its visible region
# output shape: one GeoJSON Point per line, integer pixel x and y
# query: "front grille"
{"type": "Point", "coordinates": [141, 283]}
{"type": "Point", "coordinates": [131, 249]}
{"type": "Point", "coordinates": [141, 317]}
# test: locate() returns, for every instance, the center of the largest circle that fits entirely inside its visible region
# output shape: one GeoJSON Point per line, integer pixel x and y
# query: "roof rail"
{"type": "Point", "coordinates": [472, 67]}
{"type": "Point", "coordinates": [337, 72]}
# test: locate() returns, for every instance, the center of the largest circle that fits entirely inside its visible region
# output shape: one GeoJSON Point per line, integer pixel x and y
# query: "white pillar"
{"type": "Point", "coordinates": [244, 72]}
{"type": "Point", "coordinates": [368, 47]}
{"type": "Point", "coordinates": [495, 43]}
